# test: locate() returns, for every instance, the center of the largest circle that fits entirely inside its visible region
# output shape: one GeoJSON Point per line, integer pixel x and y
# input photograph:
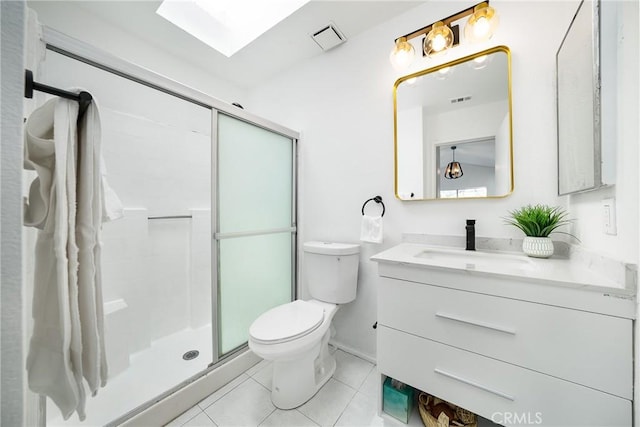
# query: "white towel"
{"type": "Point", "coordinates": [68, 335]}
{"type": "Point", "coordinates": [55, 349]}
{"type": "Point", "coordinates": [91, 202]}
{"type": "Point", "coordinates": [371, 229]}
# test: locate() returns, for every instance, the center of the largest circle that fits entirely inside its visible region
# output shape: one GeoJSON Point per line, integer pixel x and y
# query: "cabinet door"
{"type": "Point", "coordinates": [590, 349]}
{"type": "Point", "coordinates": [494, 389]}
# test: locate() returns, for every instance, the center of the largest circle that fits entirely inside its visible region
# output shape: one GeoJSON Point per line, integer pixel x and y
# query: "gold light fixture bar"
{"type": "Point", "coordinates": [447, 21]}
{"type": "Point", "coordinates": [440, 36]}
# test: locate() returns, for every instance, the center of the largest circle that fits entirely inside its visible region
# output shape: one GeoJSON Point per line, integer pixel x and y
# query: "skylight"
{"type": "Point", "coordinates": [227, 25]}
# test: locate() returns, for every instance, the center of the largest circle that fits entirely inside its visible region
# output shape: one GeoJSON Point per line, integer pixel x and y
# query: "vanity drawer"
{"type": "Point", "coordinates": [494, 389]}
{"type": "Point", "coordinates": [586, 348]}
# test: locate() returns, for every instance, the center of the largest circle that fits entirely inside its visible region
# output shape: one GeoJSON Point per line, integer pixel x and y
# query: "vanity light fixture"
{"type": "Point", "coordinates": [453, 170]}
{"type": "Point", "coordinates": [442, 35]}
{"type": "Point", "coordinates": [439, 39]}
{"type": "Point", "coordinates": [481, 24]}
{"type": "Point", "coordinates": [402, 54]}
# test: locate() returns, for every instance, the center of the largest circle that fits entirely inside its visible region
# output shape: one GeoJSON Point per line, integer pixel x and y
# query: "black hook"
{"type": "Point", "coordinates": [376, 199]}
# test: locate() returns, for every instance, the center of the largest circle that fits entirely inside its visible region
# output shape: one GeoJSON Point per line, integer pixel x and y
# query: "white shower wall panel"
{"type": "Point", "coordinates": [157, 152]}
{"type": "Point", "coordinates": [162, 270]}
{"type": "Point", "coordinates": [200, 268]}
{"type": "Point", "coordinates": [125, 272]}
{"type": "Point", "coordinates": [157, 148]}
{"type": "Point", "coordinates": [162, 167]}
{"type": "Point", "coordinates": [168, 279]}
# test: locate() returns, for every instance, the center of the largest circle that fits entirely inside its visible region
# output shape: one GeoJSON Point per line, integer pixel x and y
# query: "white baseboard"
{"type": "Point", "coordinates": [353, 351]}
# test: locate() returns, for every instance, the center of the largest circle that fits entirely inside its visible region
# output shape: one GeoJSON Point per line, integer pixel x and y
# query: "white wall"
{"type": "Point", "coordinates": [342, 102]}
{"type": "Point", "coordinates": [68, 18]}
{"type": "Point", "coordinates": [464, 124]}
{"type": "Point", "coordinates": [11, 326]}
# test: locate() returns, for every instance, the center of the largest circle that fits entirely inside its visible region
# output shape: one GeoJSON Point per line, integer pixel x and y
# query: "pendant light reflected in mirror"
{"type": "Point", "coordinates": [454, 169]}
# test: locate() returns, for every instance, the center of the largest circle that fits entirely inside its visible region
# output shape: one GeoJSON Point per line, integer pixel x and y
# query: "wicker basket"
{"type": "Point", "coordinates": [464, 417]}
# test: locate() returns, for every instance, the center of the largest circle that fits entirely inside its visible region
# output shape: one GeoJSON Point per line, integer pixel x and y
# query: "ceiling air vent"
{"type": "Point", "coordinates": [460, 99]}
{"type": "Point", "coordinates": [328, 37]}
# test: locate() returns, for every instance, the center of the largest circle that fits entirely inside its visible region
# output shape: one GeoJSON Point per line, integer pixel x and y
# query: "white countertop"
{"type": "Point", "coordinates": [573, 272]}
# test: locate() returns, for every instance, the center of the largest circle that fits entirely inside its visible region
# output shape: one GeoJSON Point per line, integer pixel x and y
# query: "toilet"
{"type": "Point", "coordinates": [295, 336]}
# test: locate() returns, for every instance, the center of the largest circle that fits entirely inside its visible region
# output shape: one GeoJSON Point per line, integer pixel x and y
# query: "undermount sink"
{"type": "Point", "coordinates": [475, 259]}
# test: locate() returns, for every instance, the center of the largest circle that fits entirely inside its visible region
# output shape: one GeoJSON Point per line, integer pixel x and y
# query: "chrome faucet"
{"type": "Point", "coordinates": [471, 235]}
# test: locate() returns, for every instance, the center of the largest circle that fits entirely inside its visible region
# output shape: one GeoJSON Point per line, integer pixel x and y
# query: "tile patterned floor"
{"type": "Point", "coordinates": [349, 398]}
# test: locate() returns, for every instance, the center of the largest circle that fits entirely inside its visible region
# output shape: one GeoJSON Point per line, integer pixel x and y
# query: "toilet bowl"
{"type": "Point", "coordinates": [298, 347]}
{"type": "Point", "coordinates": [295, 336]}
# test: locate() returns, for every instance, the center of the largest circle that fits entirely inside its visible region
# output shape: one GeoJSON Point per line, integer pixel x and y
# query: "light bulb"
{"type": "Point", "coordinates": [402, 54]}
{"type": "Point", "coordinates": [481, 27]}
{"type": "Point", "coordinates": [481, 24]}
{"type": "Point", "coordinates": [438, 43]}
{"type": "Point", "coordinates": [438, 40]}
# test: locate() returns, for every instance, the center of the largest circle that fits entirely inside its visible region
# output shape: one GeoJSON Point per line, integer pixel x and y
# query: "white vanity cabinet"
{"type": "Point", "coordinates": [513, 351]}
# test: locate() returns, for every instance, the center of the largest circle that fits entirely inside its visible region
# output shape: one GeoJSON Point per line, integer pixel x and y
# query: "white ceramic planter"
{"type": "Point", "coordinates": [538, 247]}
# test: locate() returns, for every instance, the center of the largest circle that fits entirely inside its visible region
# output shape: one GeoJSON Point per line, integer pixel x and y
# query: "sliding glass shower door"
{"type": "Point", "coordinates": [186, 166]}
{"type": "Point", "coordinates": [256, 228]}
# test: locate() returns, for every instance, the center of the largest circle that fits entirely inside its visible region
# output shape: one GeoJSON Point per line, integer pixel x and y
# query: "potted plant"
{"type": "Point", "coordinates": [537, 222]}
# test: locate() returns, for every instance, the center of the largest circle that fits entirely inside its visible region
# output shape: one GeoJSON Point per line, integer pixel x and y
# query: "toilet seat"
{"type": "Point", "coordinates": [286, 322]}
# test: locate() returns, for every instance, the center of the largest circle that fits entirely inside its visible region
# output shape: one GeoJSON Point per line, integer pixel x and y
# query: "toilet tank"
{"type": "Point", "coordinates": [331, 271]}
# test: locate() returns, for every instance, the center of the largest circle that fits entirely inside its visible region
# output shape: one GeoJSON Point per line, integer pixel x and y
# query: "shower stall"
{"type": "Point", "coordinates": [208, 239]}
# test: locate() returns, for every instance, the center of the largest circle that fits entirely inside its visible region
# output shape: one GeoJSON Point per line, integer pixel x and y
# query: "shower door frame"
{"type": "Point", "coordinates": [73, 48]}
{"type": "Point", "coordinates": [218, 236]}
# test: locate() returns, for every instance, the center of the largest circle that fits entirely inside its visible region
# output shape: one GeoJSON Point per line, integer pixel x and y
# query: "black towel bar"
{"type": "Point", "coordinates": [83, 98]}
{"type": "Point", "coordinates": [376, 199]}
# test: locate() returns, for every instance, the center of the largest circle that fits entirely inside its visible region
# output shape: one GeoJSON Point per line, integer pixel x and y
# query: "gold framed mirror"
{"type": "Point", "coordinates": [453, 129]}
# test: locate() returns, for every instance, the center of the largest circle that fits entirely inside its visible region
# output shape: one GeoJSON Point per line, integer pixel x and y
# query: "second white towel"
{"type": "Point", "coordinates": [371, 229]}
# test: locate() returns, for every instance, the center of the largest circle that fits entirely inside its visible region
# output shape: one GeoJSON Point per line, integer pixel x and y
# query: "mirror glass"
{"type": "Point", "coordinates": [464, 104]}
{"type": "Point", "coordinates": [584, 163]}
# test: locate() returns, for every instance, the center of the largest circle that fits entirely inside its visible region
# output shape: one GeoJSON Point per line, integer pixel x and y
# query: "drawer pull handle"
{"type": "Point", "coordinates": [476, 323]}
{"type": "Point", "coordinates": [474, 384]}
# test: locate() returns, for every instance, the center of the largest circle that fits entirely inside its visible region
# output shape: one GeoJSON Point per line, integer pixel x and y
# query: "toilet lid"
{"type": "Point", "coordinates": [287, 322]}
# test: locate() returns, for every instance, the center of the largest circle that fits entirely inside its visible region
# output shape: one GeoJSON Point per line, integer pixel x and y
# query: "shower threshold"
{"type": "Point", "coordinates": [151, 372]}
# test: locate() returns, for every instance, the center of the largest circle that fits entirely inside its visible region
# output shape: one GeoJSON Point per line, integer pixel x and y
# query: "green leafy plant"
{"type": "Point", "coordinates": [539, 220]}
